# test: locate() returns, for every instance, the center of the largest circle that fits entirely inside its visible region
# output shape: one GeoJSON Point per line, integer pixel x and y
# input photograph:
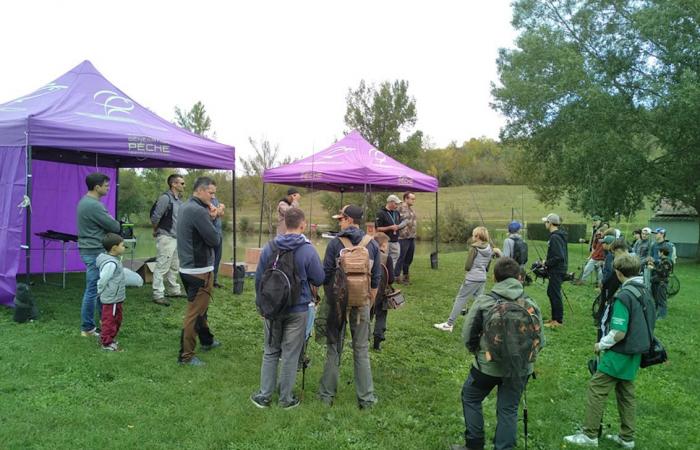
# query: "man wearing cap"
{"type": "Point", "coordinates": [659, 242]}
{"type": "Point", "coordinates": [290, 201]}
{"type": "Point", "coordinates": [510, 242]}
{"type": "Point", "coordinates": [388, 221]}
{"type": "Point", "coordinates": [596, 259]}
{"type": "Point", "coordinates": [556, 264]}
{"type": "Point", "coordinates": [328, 325]}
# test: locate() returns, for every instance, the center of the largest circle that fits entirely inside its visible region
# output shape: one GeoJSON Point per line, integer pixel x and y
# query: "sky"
{"type": "Point", "coordinates": [274, 70]}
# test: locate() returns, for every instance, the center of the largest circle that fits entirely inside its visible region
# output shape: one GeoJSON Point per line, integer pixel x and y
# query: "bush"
{"type": "Point", "coordinates": [245, 225]}
{"type": "Point", "coordinates": [454, 226]}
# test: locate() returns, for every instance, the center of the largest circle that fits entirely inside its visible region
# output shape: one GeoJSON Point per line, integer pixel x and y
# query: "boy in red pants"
{"type": "Point", "coordinates": [111, 289]}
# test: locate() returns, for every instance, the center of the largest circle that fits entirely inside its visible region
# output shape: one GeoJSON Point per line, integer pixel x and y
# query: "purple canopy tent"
{"type": "Point", "coordinates": [352, 165]}
{"type": "Point", "coordinates": [74, 125]}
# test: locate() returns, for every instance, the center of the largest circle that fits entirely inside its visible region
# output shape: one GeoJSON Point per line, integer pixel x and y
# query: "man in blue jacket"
{"type": "Point", "coordinates": [284, 336]}
{"type": "Point", "coordinates": [357, 317]}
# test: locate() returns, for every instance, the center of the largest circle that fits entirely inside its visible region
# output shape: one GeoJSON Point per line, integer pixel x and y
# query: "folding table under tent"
{"type": "Point", "coordinates": [52, 138]}
{"type": "Point", "coordinates": [353, 165]}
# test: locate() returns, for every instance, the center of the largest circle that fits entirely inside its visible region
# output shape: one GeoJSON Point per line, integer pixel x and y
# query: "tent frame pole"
{"type": "Point", "coordinates": [28, 217]}
{"type": "Point", "coordinates": [233, 218]}
{"type": "Point", "coordinates": [437, 229]}
{"type": "Point", "coordinates": [262, 205]}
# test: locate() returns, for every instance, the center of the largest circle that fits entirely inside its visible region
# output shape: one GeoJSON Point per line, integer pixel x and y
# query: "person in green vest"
{"type": "Point", "coordinates": [627, 329]}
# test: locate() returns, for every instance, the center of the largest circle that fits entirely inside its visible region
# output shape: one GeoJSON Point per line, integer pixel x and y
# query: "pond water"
{"type": "Point", "coordinates": [146, 247]}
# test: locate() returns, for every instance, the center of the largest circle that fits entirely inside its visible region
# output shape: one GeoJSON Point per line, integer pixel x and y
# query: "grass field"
{"type": "Point", "coordinates": [496, 203]}
{"type": "Point", "coordinates": [58, 390]}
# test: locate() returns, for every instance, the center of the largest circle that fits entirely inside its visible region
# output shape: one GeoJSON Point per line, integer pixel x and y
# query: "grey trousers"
{"type": "Point", "coordinates": [468, 289]}
{"type": "Point", "coordinates": [284, 339]}
{"type": "Point", "coordinates": [364, 387]}
{"type": "Point", "coordinates": [394, 252]}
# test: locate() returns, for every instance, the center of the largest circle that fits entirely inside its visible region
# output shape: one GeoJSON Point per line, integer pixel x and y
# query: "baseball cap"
{"type": "Point", "coordinates": [514, 226]}
{"type": "Point", "coordinates": [552, 218]}
{"type": "Point", "coordinates": [352, 211]}
{"type": "Point", "coordinates": [393, 198]}
{"type": "Point", "coordinates": [609, 239]}
{"type": "Point", "coordinates": [646, 230]}
{"type": "Point", "coordinates": [659, 231]}
{"type": "Point", "coordinates": [292, 191]}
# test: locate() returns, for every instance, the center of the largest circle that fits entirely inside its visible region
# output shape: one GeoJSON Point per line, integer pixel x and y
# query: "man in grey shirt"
{"type": "Point", "coordinates": [93, 223]}
{"type": "Point", "coordinates": [164, 221]}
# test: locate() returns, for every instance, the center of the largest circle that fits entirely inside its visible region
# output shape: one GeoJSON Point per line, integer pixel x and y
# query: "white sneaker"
{"type": "Point", "coordinates": [582, 440]}
{"type": "Point", "coordinates": [443, 326]}
{"type": "Point", "coordinates": [89, 333]}
{"type": "Point", "coordinates": [618, 440]}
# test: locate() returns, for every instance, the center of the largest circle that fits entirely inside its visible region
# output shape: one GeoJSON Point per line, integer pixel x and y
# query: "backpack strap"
{"type": "Point", "coordinates": [346, 242]}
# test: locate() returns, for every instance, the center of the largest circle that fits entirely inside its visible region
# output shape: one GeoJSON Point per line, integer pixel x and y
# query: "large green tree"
{"type": "Point", "coordinates": [381, 113]}
{"type": "Point", "coordinates": [602, 99]}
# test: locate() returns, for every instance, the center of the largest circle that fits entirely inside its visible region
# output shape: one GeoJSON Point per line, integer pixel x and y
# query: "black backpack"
{"type": "Point", "coordinates": [280, 286]}
{"type": "Point", "coordinates": [166, 220]}
{"type": "Point", "coordinates": [519, 250]}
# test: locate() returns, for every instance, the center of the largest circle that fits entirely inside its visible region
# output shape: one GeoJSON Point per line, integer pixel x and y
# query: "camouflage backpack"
{"type": "Point", "coordinates": [511, 334]}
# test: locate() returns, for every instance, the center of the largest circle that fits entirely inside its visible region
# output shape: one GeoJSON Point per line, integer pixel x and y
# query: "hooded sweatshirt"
{"type": "Point", "coordinates": [333, 252]}
{"type": "Point", "coordinates": [478, 259]}
{"type": "Point", "coordinates": [508, 289]}
{"type": "Point", "coordinates": [307, 264]}
{"type": "Point", "coordinates": [557, 252]}
{"type": "Point", "coordinates": [111, 286]}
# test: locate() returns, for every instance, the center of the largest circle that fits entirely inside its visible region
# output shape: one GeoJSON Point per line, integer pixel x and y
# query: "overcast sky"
{"type": "Point", "coordinates": [278, 70]}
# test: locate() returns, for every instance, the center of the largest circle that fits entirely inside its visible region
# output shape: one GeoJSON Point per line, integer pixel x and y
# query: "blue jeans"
{"type": "Point", "coordinates": [90, 301]}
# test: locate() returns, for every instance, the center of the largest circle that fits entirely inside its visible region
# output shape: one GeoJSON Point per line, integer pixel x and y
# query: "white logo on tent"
{"type": "Point", "coordinates": [48, 89]}
{"type": "Point", "coordinates": [117, 108]}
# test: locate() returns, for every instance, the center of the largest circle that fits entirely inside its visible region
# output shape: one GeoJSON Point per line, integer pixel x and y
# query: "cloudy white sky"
{"type": "Point", "coordinates": [278, 70]}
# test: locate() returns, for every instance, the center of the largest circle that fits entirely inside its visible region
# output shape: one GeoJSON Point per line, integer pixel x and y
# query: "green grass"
{"type": "Point", "coordinates": [494, 201]}
{"type": "Point", "coordinates": [58, 390]}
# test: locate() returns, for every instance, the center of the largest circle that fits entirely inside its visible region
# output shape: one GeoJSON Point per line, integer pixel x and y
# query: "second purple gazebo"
{"type": "Point", "coordinates": [354, 165]}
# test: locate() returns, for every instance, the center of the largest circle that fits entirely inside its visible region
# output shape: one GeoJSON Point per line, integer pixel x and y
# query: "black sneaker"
{"type": "Point", "coordinates": [260, 401]}
{"type": "Point", "coordinates": [291, 405]}
{"type": "Point", "coordinates": [377, 344]}
{"type": "Point", "coordinates": [213, 345]}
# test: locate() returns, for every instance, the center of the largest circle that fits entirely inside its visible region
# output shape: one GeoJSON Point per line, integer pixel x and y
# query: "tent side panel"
{"type": "Point", "coordinates": [57, 189]}
{"type": "Point", "coordinates": [12, 187]}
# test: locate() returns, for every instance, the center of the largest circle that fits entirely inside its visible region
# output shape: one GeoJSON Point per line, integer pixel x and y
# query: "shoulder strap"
{"type": "Point", "coordinates": [366, 239]}
{"type": "Point", "coordinates": [345, 241]}
{"type": "Point", "coordinates": [637, 293]}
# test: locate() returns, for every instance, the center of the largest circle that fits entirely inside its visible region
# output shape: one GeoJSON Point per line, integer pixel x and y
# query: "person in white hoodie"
{"type": "Point", "coordinates": [478, 259]}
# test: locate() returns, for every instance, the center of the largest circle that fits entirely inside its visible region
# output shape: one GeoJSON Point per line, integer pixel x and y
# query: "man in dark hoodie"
{"type": "Point", "coordinates": [284, 336]}
{"type": "Point", "coordinates": [196, 240]}
{"type": "Point", "coordinates": [557, 263]}
{"type": "Point", "coordinates": [357, 317]}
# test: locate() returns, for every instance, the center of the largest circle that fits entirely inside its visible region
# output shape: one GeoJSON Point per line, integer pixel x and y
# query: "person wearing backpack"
{"type": "Point", "coordinates": [627, 328]}
{"type": "Point", "coordinates": [514, 246]}
{"type": "Point", "coordinates": [288, 266]}
{"type": "Point", "coordinates": [352, 267]}
{"type": "Point", "coordinates": [516, 320]}
{"type": "Point", "coordinates": [164, 214]}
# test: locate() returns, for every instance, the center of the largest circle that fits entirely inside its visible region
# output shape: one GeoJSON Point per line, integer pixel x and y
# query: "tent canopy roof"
{"type": "Point", "coordinates": [82, 118]}
{"type": "Point", "coordinates": [349, 165]}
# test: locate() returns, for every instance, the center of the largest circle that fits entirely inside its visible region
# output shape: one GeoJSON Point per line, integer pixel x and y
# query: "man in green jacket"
{"type": "Point", "coordinates": [93, 223]}
{"type": "Point", "coordinates": [487, 372]}
{"type": "Point", "coordinates": [626, 331]}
